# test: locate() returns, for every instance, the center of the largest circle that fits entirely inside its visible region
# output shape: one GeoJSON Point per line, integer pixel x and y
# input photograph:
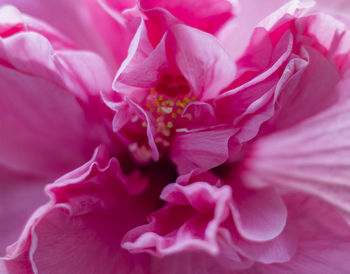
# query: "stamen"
{"type": "Point", "coordinates": [167, 102]}
{"type": "Point", "coordinates": [167, 110]}
{"type": "Point", "coordinates": [170, 125]}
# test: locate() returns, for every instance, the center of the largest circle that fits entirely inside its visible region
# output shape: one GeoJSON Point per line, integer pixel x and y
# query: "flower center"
{"type": "Point", "coordinates": [167, 102]}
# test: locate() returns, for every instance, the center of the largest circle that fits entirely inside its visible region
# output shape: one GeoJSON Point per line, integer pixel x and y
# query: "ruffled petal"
{"type": "Point", "coordinates": [252, 101]}
{"type": "Point", "coordinates": [196, 211]}
{"type": "Point", "coordinates": [308, 94]}
{"type": "Point", "coordinates": [201, 60]}
{"type": "Point", "coordinates": [251, 12]}
{"type": "Point", "coordinates": [142, 57]}
{"type": "Point", "coordinates": [86, 212]}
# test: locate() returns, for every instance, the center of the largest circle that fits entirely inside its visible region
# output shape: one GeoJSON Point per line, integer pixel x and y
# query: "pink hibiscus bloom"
{"type": "Point", "coordinates": [240, 165]}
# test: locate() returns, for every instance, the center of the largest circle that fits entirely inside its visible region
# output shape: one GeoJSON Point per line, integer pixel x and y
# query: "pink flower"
{"type": "Point", "coordinates": [240, 164]}
{"type": "Point", "coordinates": [51, 114]}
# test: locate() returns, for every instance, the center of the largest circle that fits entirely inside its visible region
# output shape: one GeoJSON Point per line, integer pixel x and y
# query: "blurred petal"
{"type": "Point", "coordinates": [206, 15]}
{"type": "Point", "coordinates": [322, 249]}
{"type": "Point", "coordinates": [20, 196]}
{"type": "Point", "coordinates": [312, 156]}
{"type": "Point", "coordinates": [84, 22]}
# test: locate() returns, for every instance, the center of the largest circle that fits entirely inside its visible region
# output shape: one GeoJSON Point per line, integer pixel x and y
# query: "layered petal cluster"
{"type": "Point", "coordinates": [50, 118]}
{"type": "Point", "coordinates": [202, 161]}
{"type": "Point", "coordinates": [304, 146]}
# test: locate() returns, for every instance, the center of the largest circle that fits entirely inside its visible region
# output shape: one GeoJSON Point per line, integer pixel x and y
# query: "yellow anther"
{"type": "Point", "coordinates": [160, 98]}
{"type": "Point", "coordinates": [193, 99]}
{"type": "Point", "coordinates": [151, 110]}
{"type": "Point", "coordinates": [179, 111]}
{"type": "Point", "coordinates": [167, 110]}
{"type": "Point", "coordinates": [156, 102]}
{"type": "Point", "coordinates": [170, 124]}
{"type": "Point", "coordinates": [144, 124]}
{"type": "Point", "coordinates": [186, 100]}
{"type": "Point", "coordinates": [178, 103]}
{"type": "Point", "coordinates": [158, 110]}
{"type": "Point", "coordinates": [153, 91]}
{"type": "Point", "coordinates": [171, 103]}
{"type": "Point", "coordinates": [148, 104]}
{"type": "Point", "coordinates": [174, 115]}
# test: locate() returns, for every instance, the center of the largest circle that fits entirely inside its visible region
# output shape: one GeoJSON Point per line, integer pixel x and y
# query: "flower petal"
{"type": "Point", "coordinates": [207, 15]}
{"type": "Point", "coordinates": [20, 195]}
{"type": "Point", "coordinates": [312, 156]}
{"type": "Point", "coordinates": [143, 63]}
{"type": "Point", "coordinates": [297, 97]}
{"type": "Point", "coordinates": [259, 214]}
{"type": "Point", "coordinates": [278, 250]}
{"type": "Point", "coordinates": [86, 212]}
{"type": "Point", "coordinates": [323, 239]}
{"type": "Point", "coordinates": [202, 149]}
{"type": "Point", "coordinates": [43, 122]}
{"type": "Point", "coordinates": [196, 211]}
{"type": "Point", "coordinates": [84, 22]}
{"type": "Point", "coordinates": [251, 12]}
{"type": "Point", "coordinates": [201, 60]}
